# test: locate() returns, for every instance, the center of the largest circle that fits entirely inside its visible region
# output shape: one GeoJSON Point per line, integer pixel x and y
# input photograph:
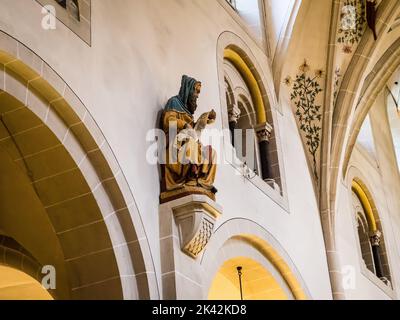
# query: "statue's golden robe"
{"type": "Point", "coordinates": [188, 162]}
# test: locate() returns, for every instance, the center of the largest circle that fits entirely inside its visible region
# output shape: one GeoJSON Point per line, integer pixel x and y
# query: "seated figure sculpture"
{"type": "Point", "coordinates": [189, 167]}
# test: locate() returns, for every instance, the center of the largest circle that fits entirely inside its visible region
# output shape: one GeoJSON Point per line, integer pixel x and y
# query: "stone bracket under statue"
{"type": "Point", "coordinates": [186, 227]}
{"type": "Point", "coordinates": [195, 220]}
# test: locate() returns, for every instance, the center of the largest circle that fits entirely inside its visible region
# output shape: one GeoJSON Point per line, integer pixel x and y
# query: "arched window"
{"type": "Point", "coordinates": [370, 234]}
{"type": "Point", "coordinates": [242, 118]}
{"type": "Point", "coordinates": [72, 7]}
{"type": "Point", "coordinates": [232, 3]}
{"type": "Point", "coordinates": [74, 14]}
{"type": "Point", "coordinates": [252, 14]}
{"type": "Point", "coordinates": [363, 234]}
{"type": "Point", "coordinates": [252, 134]}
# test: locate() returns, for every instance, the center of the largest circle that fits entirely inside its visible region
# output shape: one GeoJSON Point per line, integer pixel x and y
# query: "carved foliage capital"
{"type": "Point", "coordinates": [376, 238]}
{"type": "Point", "coordinates": [234, 114]}
{"type": "Point", "coordinates": [263, 132]}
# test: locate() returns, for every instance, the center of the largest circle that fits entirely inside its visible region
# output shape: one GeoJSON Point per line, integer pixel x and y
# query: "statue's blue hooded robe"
{"type": "Point", "coordinates": [179, 103]}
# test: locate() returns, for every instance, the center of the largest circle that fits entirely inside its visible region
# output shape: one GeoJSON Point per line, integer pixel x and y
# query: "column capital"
{"type": "Point", "coordinates": [263, 131]}
{"type": "Point", "coordinates": [234, 114]}
{"type": "Point", "coordinates": [376, 238]}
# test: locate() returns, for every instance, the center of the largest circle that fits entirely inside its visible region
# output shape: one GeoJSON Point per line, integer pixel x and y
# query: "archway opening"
{"type": "Point", "coordinates": [17, 285]}
{"type": "Point", "coordinates": [49, 207]}
{"type": "Point", "coordinates": [255, 282]}
{"type": "Point", "coordinates": [51, 142]}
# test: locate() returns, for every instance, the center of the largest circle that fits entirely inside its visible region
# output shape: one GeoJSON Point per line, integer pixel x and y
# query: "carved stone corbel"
{"type": "Point", "coordinates": [195, 221]}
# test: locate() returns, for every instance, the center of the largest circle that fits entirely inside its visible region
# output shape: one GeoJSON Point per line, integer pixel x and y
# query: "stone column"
{"type": "Point", "coordinates": [186, 226]}
{"type": "Point", "coordinates": [376, 243]}
{"type": "Point", "coordinates": [234, 115]}
{"type": "Point", "coordinates": [263, 132]}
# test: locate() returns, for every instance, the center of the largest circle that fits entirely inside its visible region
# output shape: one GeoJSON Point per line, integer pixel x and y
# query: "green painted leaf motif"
{"type": "Point", "coordinates": [305, 91]}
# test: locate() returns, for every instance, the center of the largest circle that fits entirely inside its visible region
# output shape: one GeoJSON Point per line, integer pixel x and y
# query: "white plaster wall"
{"type": "Point", "coordinates": [139, 51]}
{"type": "Point", "coordinates": [250, 13]}
{"type": "Point", "coordinates": [278, 13]}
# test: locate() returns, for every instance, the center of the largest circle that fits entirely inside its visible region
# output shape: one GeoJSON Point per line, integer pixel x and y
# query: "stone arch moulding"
{"type": "Point", "coordinates": [356, 180]}
{"type": "Point", "coordinates": [232, 55]}
{"type": "Point", "coordinates": [25, 76]}
{"type": "Point", "coordinates": [367, 201]}
{"type": "Point", "coordinates": [337, 127]}
{"type": "Point", "coordinates": [251, 237]}
{"type": "Point", "coordinates": [354, 174]}
{"type": "Point", "coordinates": [373, 85]}
{"type": "Point", "coordinates": [258, 78]}
{"type": "Point", "coordinates": [351, 86]}
{"type": "Point", "coordinates": [239, 52]}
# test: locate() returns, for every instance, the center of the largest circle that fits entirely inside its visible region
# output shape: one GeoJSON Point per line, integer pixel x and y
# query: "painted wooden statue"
{"type": "Point", "coordinates": [190, 167]}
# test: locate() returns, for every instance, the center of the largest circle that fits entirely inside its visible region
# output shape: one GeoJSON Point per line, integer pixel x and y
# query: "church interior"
{"type": "Point", "coordinates": [199, 150]}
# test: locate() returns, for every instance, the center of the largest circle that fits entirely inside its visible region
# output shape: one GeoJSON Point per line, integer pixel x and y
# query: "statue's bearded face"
{"type": "Point", "coordinates": [192, 103]}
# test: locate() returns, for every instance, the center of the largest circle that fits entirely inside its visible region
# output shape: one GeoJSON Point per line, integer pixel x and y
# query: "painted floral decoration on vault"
{"type": "Point", "coordinates": [336, 84]}
{"type": "Point", "coordinates": [352, 24]}
{"type": "Point", "coordinates": [305, 90]}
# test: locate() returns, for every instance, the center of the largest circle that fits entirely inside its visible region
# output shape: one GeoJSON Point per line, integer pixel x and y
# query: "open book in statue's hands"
{"type": "Point", "coordinates": [205, 119]}
{"type": "Point", "coordinates": [194, 134]}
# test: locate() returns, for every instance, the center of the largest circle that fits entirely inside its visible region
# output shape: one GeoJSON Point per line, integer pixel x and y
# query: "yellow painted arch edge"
{"type": "Point", "coordinates": [361, 194]}
{"type": "Point", "coordinates": [278, 262]}
{"type": "Point", "coordinates": [233, 57]}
